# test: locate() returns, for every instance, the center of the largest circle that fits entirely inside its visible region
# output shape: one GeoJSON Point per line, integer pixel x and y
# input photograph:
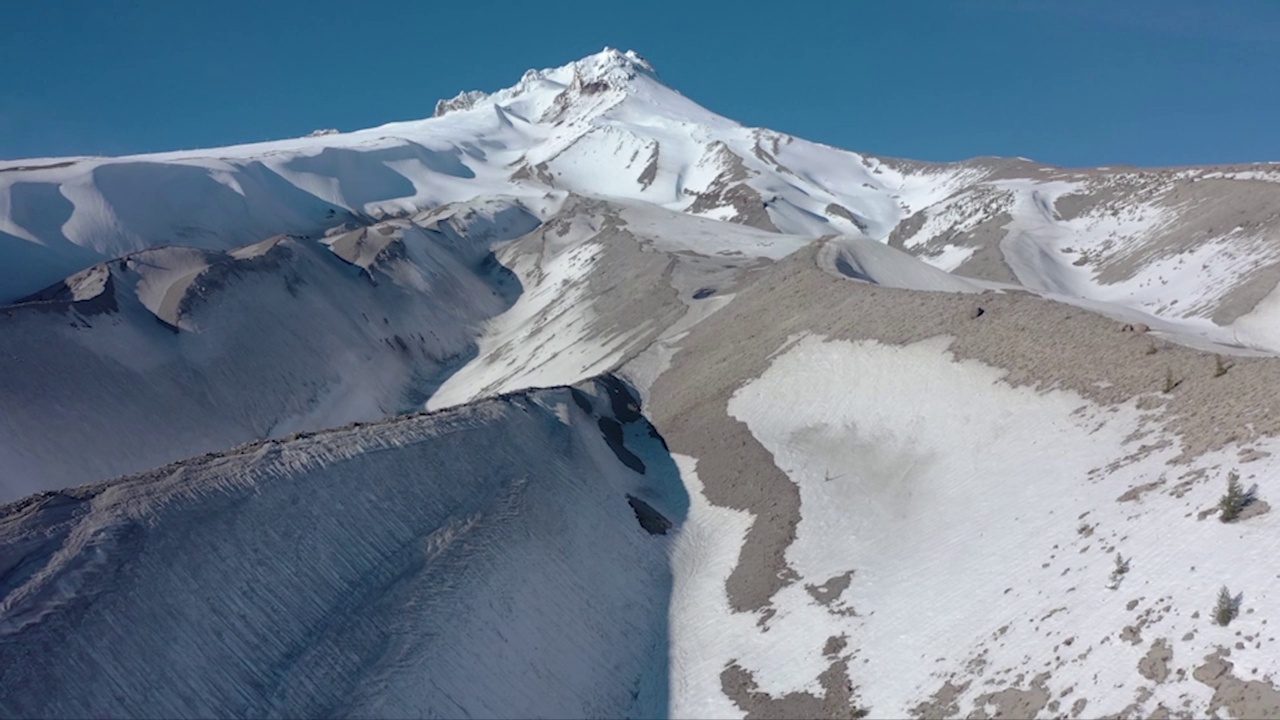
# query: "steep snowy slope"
{"type": "Point", "coordinates": [504, 559]}
{"type": "Point", "coordinates": [173, 352]}
{"type": "Point", "coordinates": [603, 282]}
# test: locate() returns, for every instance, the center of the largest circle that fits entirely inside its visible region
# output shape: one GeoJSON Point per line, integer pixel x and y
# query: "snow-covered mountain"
{"type": "Point", "coordinates": [721, 422]}
{"type": "Point", "coordinates": [602, 126]}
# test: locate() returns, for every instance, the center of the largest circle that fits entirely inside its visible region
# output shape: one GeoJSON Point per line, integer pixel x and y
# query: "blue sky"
{"type": "Point", "coordinates": [1070, 82]}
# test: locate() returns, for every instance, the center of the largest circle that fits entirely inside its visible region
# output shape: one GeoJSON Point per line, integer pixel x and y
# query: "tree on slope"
{"type": "Point", "coordinates": [1233, 500]}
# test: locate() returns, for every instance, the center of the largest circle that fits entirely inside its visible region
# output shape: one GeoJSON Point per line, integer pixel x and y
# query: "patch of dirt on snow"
{"type": "Point", "coordinates": [1242, 698]}
{"type": "Point", "coordinates": [1154, 665]}
{"type": "Point", "coordinates": [837, 701]}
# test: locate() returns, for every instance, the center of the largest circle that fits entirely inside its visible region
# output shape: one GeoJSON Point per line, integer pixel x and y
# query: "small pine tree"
{"type": "Point", "coordinates": [1118, 572]}
{"type": "Point", "coordinates": [1122, 566]}
{"type": "Point", "coordinates": [1225, 611]}
{"type": "Point", "coordinates": [1233, 500]}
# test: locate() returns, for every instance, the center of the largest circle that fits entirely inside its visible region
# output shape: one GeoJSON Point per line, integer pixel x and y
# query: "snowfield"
{"type": "Point", "coordinates": [580, 400]}
{"type": "Point", "coordinates": [1010, 516]}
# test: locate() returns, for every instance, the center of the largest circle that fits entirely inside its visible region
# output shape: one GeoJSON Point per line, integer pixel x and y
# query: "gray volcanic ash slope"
{"type": "Point", "coordinates": [723, 423]}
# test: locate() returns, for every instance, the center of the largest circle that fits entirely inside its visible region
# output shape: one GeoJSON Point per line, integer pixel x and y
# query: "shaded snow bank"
{"type": "Point", "coordinates": [484, 561]}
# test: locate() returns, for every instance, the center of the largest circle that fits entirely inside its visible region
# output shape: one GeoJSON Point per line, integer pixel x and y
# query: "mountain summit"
{"type": "Point", "coordinates": [602, 126]}
{"type": "Point", "coordinates": [604, 71]}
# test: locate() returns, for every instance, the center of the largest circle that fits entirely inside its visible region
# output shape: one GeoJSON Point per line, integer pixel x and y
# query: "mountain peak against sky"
{"type": "Point", "coordinates": [102, 83]}
{"type": "Point", "coordinates": [603, 127]}
{"type": "Point", "coordinates": [608, 69]}
{"type": "Point", "coordinates": [613, 63]}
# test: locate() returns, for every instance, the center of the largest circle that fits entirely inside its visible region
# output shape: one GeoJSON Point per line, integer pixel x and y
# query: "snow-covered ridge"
{"type": "Point", "coordinates": [327, 575]}
{"type": "Point", "coordinates": [194, 350]}
{"type": "Point", "coordinates": [605, 125]}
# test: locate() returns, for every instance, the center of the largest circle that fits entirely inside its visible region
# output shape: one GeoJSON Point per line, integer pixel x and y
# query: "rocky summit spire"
{"type": "Point", "coordinates": [609, 69]}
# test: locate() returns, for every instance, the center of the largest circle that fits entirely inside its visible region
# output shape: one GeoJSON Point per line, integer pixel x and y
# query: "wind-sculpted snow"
{"type": "Point", "coordinates": [877, 263]}
{"type": "Point", "coordinates": [190, 351]}
{"type": "Point", "coordinates": [480, 562]}
{"type": "Point", "coordinates": [173, 352]}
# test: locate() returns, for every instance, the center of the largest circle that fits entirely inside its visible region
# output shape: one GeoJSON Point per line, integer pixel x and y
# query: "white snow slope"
{"type": "Point", "coordinates": [980, 518]}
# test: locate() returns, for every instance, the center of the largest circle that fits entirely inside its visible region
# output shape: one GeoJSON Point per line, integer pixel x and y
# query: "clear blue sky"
{"type": "Point", "coordinates": [1070, 82]}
